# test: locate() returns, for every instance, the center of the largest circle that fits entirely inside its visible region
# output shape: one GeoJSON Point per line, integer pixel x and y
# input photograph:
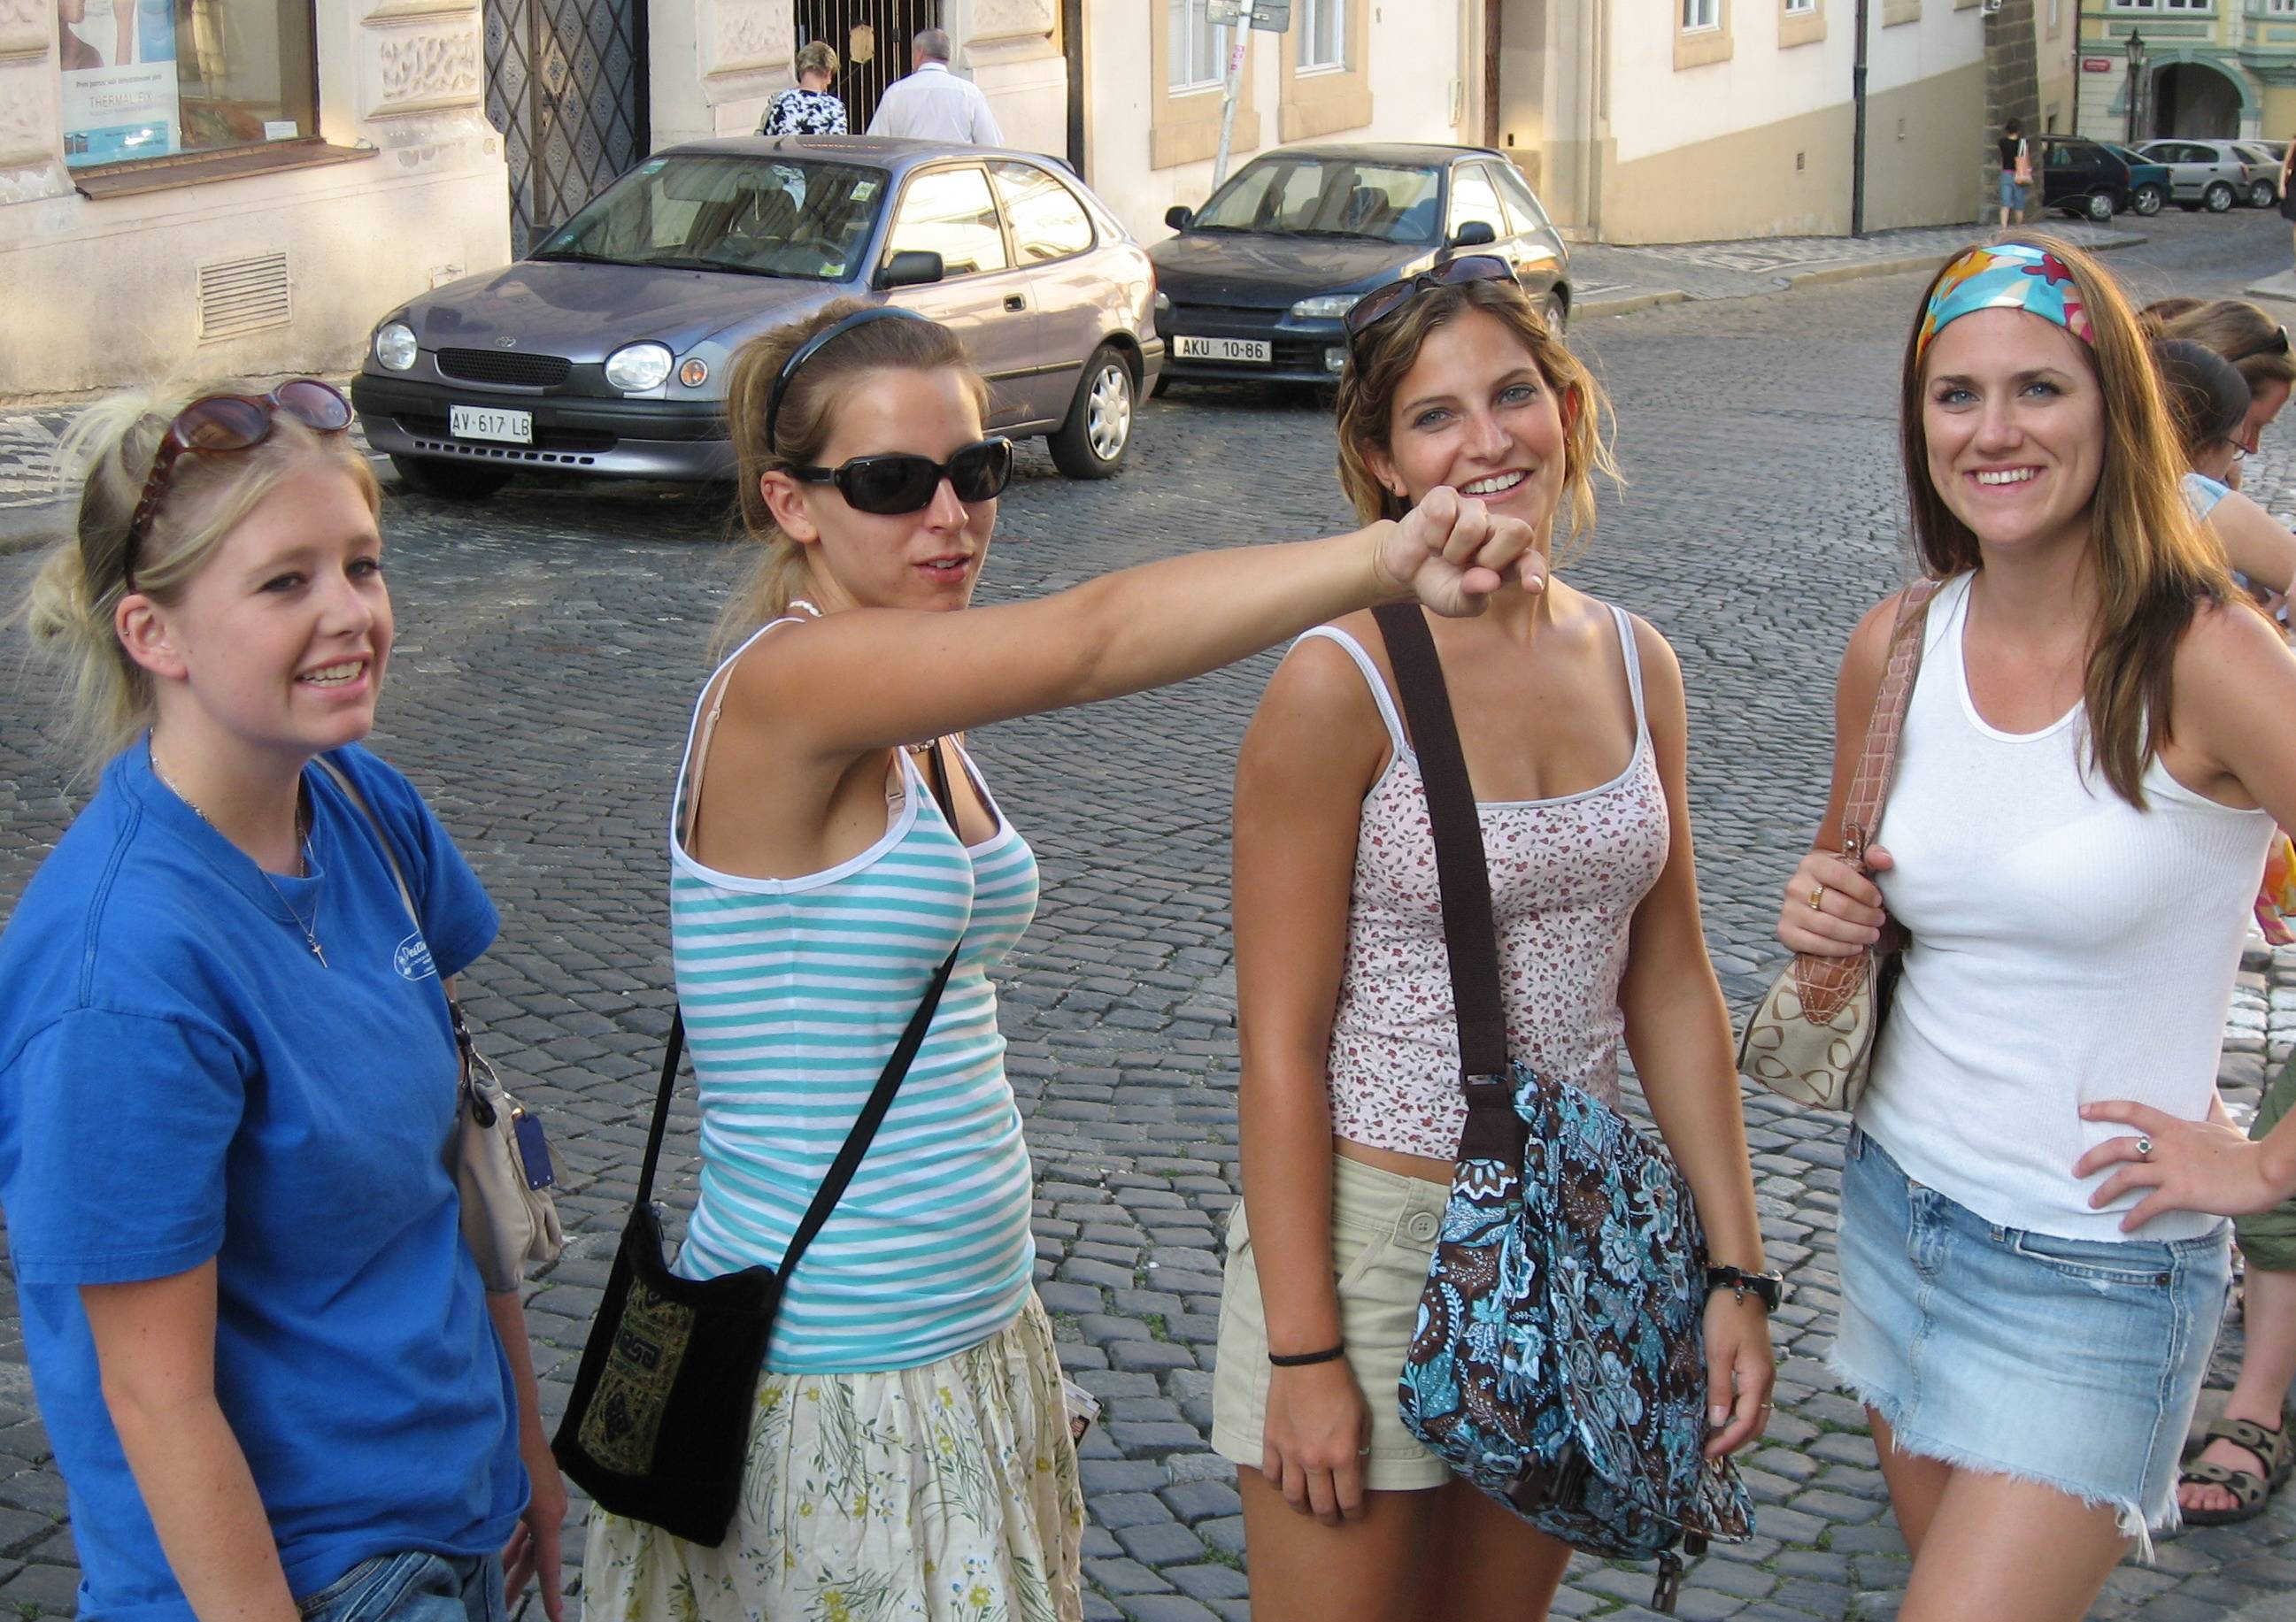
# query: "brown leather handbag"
{"type": "Point", "coordinates": [1812, 1038]}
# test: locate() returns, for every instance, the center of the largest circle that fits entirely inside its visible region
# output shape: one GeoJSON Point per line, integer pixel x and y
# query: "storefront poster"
{"type": "Point", "coordinates": [119, 61]}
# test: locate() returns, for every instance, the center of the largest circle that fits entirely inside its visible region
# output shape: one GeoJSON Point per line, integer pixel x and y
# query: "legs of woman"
{"type": "Point", "coordinates": [2268, 1366]}
{"type": "Point", "coordinates": [1994, 1546]}
{"type": "Point", "coordinates": [1916, 1484]}
{"type": "Point", "coordinates": [1430, 1556]}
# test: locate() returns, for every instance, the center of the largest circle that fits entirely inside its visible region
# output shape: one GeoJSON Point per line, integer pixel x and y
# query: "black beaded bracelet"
{"type": "Point", "coordinates": [1300, 1360]}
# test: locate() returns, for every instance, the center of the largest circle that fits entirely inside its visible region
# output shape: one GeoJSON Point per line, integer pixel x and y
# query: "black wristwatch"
{"type": "Point", "coordinates": [1767, 1288]}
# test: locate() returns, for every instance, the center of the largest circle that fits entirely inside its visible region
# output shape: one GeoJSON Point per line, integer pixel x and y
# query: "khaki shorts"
{"type": "Point", "coordinates": [1383, 1229]}
{"type": "Point", "coordinates": [2268, 1238]}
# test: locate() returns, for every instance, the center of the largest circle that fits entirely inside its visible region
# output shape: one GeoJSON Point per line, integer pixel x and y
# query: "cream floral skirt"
{"type": "Point", "coordinates": [946, 1493]}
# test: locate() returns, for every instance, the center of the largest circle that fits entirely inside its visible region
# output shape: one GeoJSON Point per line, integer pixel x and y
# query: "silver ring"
{"type": "Point", "coordinates": [2144, 1148]}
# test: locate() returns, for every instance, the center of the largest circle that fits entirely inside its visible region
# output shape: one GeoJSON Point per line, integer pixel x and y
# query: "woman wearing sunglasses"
{"type": "Point", "coordinates": [2252, 340]}
{"type": "Point", "coordinates": [911, 1455]}
{"type": "Point", "coordinates": [272, 1377]}
{"type": "Point", "coordinates": [1572, 718]}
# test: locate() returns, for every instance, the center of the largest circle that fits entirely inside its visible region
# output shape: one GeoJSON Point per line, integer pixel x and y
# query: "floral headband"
{"type": "Point", "coordinates": [2006, 276]}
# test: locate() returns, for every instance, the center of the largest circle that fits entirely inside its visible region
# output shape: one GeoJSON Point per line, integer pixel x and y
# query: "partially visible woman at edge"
{"type": "Point", "coordinates": [2208, 408]}
{"type": "Point", "coordinates": [273, 1380]}
{"type": "Point", "coordinates": [2252, 340]}
{"type": "Point", "coordinates": [1572, 718]}
{"type": "Point", "coordinates": [2074, 840]}
{"type": "Point", "coordinates": [911, 1449]}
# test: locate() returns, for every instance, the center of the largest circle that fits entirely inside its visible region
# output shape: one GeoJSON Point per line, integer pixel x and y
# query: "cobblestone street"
{"type": "Point", "coordinates": [550, 645]}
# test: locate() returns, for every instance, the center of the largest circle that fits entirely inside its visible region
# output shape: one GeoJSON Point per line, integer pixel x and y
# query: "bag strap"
{"type": "Point", "coordinates": [1877, 761]}
{"type": "Point", "coordinates": [857, 1142]}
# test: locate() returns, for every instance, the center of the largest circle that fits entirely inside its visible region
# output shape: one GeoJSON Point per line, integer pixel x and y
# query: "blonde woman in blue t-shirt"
{"type": "Point", "coordinates": [910, 1455]}
{"type": "Point", "coordinates": [275, 1383]}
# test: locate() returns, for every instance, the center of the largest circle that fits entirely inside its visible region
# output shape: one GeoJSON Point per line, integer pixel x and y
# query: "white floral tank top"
{"type": "Point", "coordinates": [1566, 876]}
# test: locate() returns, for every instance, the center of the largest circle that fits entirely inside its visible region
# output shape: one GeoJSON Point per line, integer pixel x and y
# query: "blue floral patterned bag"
{"type": "Point", "coordinates": [1559, 1361]}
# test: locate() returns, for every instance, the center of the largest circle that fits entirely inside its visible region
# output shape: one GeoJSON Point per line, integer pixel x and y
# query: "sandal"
{"type": "Point", "coordinates": [2250, 1491]}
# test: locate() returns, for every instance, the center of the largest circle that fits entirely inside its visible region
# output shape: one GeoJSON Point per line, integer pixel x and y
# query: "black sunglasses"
{"type": "Point", "coordinates": [1377, 305]}
{"type": "Point", "coordinates": [902, 481]}
{"type": "Point", "coordinates": [2278, 344]}
{"type": "Point", "coordinates": [222, 422]}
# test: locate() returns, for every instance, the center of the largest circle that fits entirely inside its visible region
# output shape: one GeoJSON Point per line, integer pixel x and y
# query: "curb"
{"type": "Point", "coordinates": [1629, 301]}
{"type": "Point", "coordinates": [30, 528]}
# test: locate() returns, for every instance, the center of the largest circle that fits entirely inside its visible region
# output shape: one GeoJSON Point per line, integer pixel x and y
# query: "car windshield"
{"type": "Point", "coordinates": [1301, 195]}
{"type": "Point", "coordinates": [756, 215]}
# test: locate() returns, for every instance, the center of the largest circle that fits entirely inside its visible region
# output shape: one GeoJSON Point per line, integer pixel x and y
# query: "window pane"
{"type": "Point", "coordinates": [1523, 206]}
{"type": "Point", "coordinates": [1314, 197]}
{"type": "Point", "coordinates": [1472, 199]}
{"type": "Point", "coordinates": [808, 220]}
{"type": "Point", "coordinates": [949, 212]}
{"type": "Point", "coordinates": [141, 78]}
{"type": "Point", "coordinates": [1323, 34]}
{"type": "Point", "coordinates": [1047, 221]}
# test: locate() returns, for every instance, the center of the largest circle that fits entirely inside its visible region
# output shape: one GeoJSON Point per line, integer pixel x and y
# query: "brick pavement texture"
{"type": "Point", "coordinates": [550, 644]}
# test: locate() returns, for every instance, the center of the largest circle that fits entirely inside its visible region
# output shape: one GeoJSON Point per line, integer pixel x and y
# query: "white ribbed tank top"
{"type": "Point", "coordinates": [2067, 948]}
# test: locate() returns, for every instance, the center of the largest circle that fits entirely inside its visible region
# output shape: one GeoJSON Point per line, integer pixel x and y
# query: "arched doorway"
{"type": "Point", "coordinates": [2194, 102]}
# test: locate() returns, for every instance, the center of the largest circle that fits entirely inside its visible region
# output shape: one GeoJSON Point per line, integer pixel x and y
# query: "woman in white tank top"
{"type": "Point", "coordinates": [2073, 839]}
{"type": "Point", "coordinates": [1572, 719]}
{"type": "Point", "coordinates": [909, 1452]}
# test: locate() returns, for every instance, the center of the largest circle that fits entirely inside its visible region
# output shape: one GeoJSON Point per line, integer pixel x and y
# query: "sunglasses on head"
{"type": "Point", "coordinates": [2278, 344]}
{"type": "Point", "coordinates": [902, 481]}
{"type": "Point", "coordinates": [1377, 305]}
{"type": "Point", "coordinates": [224, 423]}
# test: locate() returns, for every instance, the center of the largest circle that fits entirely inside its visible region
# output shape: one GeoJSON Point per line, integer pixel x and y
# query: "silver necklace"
{"type": "Point", "coordinates": [303, 840]}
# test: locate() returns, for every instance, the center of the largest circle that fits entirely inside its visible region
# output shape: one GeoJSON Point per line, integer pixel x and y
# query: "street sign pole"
{"type": "Point", "coordinates": [1232, 89]}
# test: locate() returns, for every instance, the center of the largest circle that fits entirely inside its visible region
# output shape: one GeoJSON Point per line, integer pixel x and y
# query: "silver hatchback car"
{"type": "Point", "coordinates": [607, 349]}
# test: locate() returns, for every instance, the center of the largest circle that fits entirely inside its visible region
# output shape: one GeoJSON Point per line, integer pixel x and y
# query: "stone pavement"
{"type": "Point", "coordinates": [549, 647]}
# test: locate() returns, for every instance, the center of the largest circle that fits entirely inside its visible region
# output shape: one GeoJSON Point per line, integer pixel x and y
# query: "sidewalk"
{"type": "Point", "coordinates": [1614, 281]}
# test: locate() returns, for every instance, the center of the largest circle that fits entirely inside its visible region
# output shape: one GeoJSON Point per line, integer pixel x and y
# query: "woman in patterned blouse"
{"type": "Point", "coordinates": [809, 109]}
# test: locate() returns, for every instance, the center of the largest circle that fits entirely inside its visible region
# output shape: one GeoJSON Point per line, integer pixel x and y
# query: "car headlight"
{"type": "Point", "coordinates": [395, 346]}
{"type": "Point", "coordinates": [638, 367]}
{"type": "Point", "coordinates": [1324, 307]}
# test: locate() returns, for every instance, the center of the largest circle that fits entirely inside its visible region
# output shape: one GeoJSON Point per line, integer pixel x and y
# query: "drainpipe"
{"type": "Point", "coordinates": [1857, 142]}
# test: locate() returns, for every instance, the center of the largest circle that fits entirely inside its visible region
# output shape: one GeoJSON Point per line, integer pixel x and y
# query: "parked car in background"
{"type": "Point", "coordinates": [607, 349]}
{"type": "Point", "coordinates": [2148, 182]}
{"type": "Point", "coordinates": [1259, 281]}
{"type": "Point", "coordinates": [2084, 178]}
{"type": "Point", "coordinates": [2201, 174]}
{"type": "Point", "coordinates": [2263, 165]}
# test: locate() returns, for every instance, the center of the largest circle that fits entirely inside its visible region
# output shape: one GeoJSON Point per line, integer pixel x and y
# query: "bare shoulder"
{"type": "Point", "coordinates": [2230, 649]}
{"type": "Point", "coordinates": [1661, 667]}
{"type": "Point", "coordinates": [1319, 704]}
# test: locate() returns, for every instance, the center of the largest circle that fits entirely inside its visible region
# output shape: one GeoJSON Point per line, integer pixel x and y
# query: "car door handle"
{"type": "Point", "coordinates": [1015, 301]}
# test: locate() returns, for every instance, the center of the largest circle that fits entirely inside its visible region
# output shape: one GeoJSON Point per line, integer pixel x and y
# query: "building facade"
{"type": "Point", "coordinates": [1684, 120]}
{"type": "Point", "coordinates": [233, 186]}
{"type": "Point", "coordinates": [2205, 69]}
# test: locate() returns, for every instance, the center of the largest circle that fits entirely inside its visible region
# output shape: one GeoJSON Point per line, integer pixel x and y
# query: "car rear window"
{"type": "Point", "coordinates": [1303, 195]}
{"type": "Point", "coordinates": [771, 217]}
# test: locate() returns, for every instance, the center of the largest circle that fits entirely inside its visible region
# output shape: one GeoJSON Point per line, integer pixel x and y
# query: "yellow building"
{"type": "Point", "coordinates": [2205, 69]}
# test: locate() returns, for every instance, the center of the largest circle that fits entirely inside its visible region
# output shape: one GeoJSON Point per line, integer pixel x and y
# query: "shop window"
{"type": "Point", "coordinates": [152, 78]}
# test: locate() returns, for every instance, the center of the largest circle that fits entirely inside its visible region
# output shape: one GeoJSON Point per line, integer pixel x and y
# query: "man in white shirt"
{"type": "Point", "coordinates": [932, 103]}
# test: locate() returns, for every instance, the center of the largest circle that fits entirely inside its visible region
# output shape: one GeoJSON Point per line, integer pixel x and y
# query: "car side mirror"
{"type": "Point", "coordinates": [1179, 217]}
{"type": "Point", "coordinates": [1474, 234]}
{"type": "Point", "coordinates": [912, 267]}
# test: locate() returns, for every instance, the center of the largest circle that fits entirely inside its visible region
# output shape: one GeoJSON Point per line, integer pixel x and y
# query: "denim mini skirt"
{"type": "Point", "coordinates": [2072, 1362]}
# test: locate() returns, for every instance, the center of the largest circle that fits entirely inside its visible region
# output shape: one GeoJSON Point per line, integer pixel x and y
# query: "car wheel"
{"type": "Point", "coordinates": [1092, 442]}
{"type": "Point", "coordinates": [2146, 201]}
{"type": "Point", "coordinates": [1162, 386]}
{"type": "Point", "coordinates": [1555, 308]}
{"type": "Point", "coordinates": [2099, 207]}
{"type": "Point", "coordinates": [2218, 198]}
{"type": "Point", "coordinates": [450, 480]}
{"type": "Point", "coordinates": [2260, 195]}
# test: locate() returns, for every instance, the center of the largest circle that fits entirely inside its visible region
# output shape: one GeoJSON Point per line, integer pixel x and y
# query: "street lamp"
{"type": "Point", "coordinates": [2134, 44]}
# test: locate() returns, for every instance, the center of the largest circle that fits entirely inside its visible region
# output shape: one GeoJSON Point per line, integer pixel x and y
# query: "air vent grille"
{"type": "Point", "coordinates": [246, 295]}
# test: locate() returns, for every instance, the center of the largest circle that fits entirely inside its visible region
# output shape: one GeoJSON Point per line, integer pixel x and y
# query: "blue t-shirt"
{"type": "Point", "coordinates": [181, 1079]}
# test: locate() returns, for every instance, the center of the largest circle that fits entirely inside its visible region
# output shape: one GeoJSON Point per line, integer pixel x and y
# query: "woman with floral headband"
{"type": "Point", "coordinates": [2074, 837]}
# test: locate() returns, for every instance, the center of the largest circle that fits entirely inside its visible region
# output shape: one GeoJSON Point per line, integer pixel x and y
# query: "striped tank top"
{"type": "Point", "coordinates": [795, 991]}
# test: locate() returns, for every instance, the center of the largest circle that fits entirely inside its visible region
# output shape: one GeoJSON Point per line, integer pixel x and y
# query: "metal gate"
{"type": "Point", "coordinates": [566, 86]}
{"type": "Point", "coordinates": [872, 40]}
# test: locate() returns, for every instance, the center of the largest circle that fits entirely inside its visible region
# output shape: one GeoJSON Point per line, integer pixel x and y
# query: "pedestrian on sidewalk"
{"type": "Point", "coordinates": [932, 103]}
{"type": "Point", "coordinates": [272, 1379]}
{"type": "Point", "coordinates": [912, 1446]}
{"type": "Point", "coordinates": [1573, 723]}
{"type": "Point", "coordinates": [807, 109]}
{"type": "Point", "coordinates": [2252, 340]}
{"type": "Point", "coordinates": [2074, 839]}
{"type": "Point", "coordinates": [2287, 202]}
{"type": "Point", "coordinates": [2016, 173]}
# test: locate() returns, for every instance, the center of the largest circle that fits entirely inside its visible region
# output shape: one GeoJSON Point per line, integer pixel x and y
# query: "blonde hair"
{"type": "Point", "coordinates": [1369, 387]}
{"type": "Point", "coordinates": [816, 56]}
{"type": "Point", "coordinates": [72, 604]}
{"type": "Point", "coordinates": [2154, 564]}
{"type": "Point", "coordinates": [803, 428]}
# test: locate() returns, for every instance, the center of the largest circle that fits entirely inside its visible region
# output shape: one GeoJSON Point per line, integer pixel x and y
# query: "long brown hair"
{"type": "Point", "coordinates": [2236, 329]}
{"type": "Point", "coordinates": [2153, 565]}
{"type": "Point", "coordinates": [1378, 364]}
{"type": "Point", "coordinates": [807, 416]}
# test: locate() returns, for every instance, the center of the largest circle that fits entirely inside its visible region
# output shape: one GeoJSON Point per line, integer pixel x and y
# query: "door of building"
{"type": "Point", "coordinates": [566, 86]}
{"type": "Point", "coordinates": [871, 38]}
